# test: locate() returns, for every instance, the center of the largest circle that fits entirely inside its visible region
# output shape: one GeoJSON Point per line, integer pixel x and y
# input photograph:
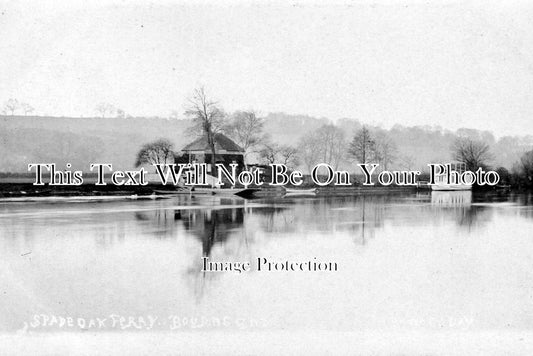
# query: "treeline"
{"type": "Point", "coordinates": [13, 106]}
{"type": "Point", "coordinates": [415, 145]}
{"type": "Point", "coordinates": [302, 142]}
{"type": "Point", "coordinates": [297, 140]}
{"type": "Point", "coordinates": [409, 148]}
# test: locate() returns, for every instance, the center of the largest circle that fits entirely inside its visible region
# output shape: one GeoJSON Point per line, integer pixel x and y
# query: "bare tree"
{"type": "Point", "coordinates": [282, 154]}
{"type": "Point", "coordinates": [246, 129]}
{"type": "Point", "coordinates": [384, 150]}
{"type": "Point", "coordinates": [269, 153]}
{"type": "Point", "coordinates": [27, 108]}
{"type": "Point", "coordinates": [473, 153]}
{"type": "Point", "coordinates": [207, 118]}
{"type": "Point", "coordinates": [289, 156]}
{"type": "Point", "coordinates": [363, 146]}
{"type": "Point", "coordinates": [11, 106]}
{"type": "Point", "coordinates": [332, 142]}
{"type": "Point", "coordinates": [105, 109]}
{"type": "Point", "coordinates": [159, 151]}
{"type": "Point", "coordinates": [310, 150]}
{"type": "Point", "coordinates": [325, 145]}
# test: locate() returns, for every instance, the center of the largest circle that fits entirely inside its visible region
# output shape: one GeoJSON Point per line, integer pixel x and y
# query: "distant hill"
{"type": "Point", "coordinates": [81, 141]}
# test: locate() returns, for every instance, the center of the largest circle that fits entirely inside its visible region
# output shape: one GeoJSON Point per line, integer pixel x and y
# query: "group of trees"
{"type": "Point", "coordinates": [246, 128]}
{"type": "Point", "coordinates": [272, 152]}
{"type": "Point", "coordinates": [474, 153]}
{"type": "Point", "coordinates": [109, 110]}
{"type": "Point", "coordinates": [12, 106]}
{"type": "Point", "coordinates": [328, 143]}
{"type": "Point", "coordinates": [302, 141]}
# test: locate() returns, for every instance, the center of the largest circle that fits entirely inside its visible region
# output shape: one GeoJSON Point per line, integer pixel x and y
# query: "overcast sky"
{"type": "Point", "coordinates": [413, 63]}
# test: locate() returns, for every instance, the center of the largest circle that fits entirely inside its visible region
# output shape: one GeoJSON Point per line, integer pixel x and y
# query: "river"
{"type": "Point", "coordinates": [411, 261]}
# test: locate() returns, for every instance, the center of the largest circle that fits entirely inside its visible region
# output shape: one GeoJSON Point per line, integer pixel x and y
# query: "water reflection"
{"type": "Point", "coordinates": [459, 203]}
{"type": "Point", "coordinates": [211, 226]}
{"type": "Point", "coordinates": [358, 215]}
{"type": "Point", "coordinates": [458, 199]}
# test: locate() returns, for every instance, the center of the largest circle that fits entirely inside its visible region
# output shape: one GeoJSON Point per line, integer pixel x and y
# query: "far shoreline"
{"type": "Point", "coordinates": [24, 187]}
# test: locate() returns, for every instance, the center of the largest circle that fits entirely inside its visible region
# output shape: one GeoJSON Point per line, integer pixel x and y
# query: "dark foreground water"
{"type": "Point", "coordinates": [445, 261]}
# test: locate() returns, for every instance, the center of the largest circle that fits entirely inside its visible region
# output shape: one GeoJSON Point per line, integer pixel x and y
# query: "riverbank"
{"type": "Point", "coordinates": [13, 190]}
{"type": "Point", "coordinates": [22, 186]}
{"type": "Point", "coordinates": [24, 189]}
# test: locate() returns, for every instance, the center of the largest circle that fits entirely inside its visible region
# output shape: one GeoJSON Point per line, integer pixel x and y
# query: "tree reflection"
{"type": "Point", "coordinates": [211, 226]}
{"type": "Point", "coordinates": [158, 222]}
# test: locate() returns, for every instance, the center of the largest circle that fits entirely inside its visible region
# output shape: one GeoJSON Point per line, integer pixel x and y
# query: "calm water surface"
{"type": "Point", "coordinates": [417, 261]}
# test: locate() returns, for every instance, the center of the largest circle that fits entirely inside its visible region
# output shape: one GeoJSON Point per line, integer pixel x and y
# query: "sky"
{"type": "Point", "coordinates": [453, 64]}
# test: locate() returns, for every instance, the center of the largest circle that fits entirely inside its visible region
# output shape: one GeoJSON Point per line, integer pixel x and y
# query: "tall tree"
{"type": "Point", "coordinates": [208, 119]}
{"type": "Point", "coordinates": [474, 153]}
{"type": "Point", "coordinates": [246, 129]}
{"type": "Point", "coordinates": [363, 146]}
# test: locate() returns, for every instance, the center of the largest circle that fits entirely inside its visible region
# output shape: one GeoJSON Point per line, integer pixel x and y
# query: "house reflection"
{"type": "Point", "coordinates": [212, 227]}
{"type": "Point", "coordinates": [459, 205]}
{"type": "Point", "coordinates": [451, 199]}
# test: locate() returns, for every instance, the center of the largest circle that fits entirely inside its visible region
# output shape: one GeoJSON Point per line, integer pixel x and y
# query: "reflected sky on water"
{"type": "Point", "coordinates": [416, 260]}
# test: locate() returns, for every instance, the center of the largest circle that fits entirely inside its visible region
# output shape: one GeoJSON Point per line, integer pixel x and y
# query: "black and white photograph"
{"type": "Point", "coordinates": [270, 177]}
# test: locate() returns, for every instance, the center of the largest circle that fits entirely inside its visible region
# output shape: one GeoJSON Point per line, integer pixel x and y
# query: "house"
{"type": "Point", "coordinates": [226, 150]}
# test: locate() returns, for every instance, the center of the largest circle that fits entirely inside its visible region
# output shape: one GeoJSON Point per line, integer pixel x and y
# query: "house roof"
{"type": "Point", "coordinates": [222, 142]}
